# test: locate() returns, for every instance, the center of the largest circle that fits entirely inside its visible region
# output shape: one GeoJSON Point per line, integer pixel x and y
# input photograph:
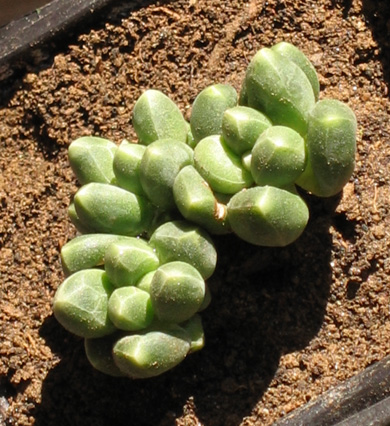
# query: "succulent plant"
{"type": "Point", "coordinates": [135, 280]}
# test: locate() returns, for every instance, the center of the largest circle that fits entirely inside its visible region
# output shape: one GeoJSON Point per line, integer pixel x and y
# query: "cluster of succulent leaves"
{"type": "Point", "coordinates": [136, 275]}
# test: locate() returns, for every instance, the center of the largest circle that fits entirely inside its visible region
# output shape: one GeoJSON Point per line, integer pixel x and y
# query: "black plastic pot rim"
{"type": "Point", "coordinates": [361, 400]}
{"type": "Point", "coordinates": [20, 37]}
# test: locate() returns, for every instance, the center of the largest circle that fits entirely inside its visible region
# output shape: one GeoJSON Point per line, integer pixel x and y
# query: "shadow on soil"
{"type": "Point", "coordinates": [266, 302]}
{"type": "Point", "coordinates": [377, 13]}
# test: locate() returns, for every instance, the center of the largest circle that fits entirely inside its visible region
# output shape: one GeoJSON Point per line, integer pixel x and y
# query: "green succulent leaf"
{"type": "Point", "coordinates": [177, 292]}
{"type": "Point", "coordinates": [331, 148]}
{"type": "Point", "coordinates": [190, 138]}
{"type": "Point", "coordinates": [109, 209]}
{"type": "Point", "coordinates": [151, 353]}
{"type": "Point", "coordinates": [80, 304]}
{"type": "Point", "coordinates": [206, 300]}
{"type": "Point", "coordinates": [156, 116]}
{"type": "Point", "coordinates": [91, 159]}
{"type": "Point", "coordinates": [72, 214]}
{"type": "Point", "coordinates": [86, 251]}
{"type": "Point", "coordinates": [159, 167]}
{"type": "Point", "coordinates": [99, 354]}
{"type": "Point", "coordinates": [126, 165]}
{"type": "Point", "coordinates": [278, 157]}
{"type": "Point", "coordinates": [208, 109]}
{"type": "Point", "coordinates": [267, 216]}
{"type": "Point", "coordinates": [220, 167]}
{"type": "Point", "coordinates": [127, 261]}
{"type": "Point", "coordinates": [197, 203]}
{"type": "Point", "coordinates": [298, 57]}
{"type": "Point", "coordinates": [278, 87]}
{"type": "Point", "coordinates": [243, 96]}
{"type": "Point", "coordinates": [241, 126]}
{"type": "Point", "coordinates": [183, 241]}
{"type": "Point", "coordinates": [145, 282]}
{"type": "Point", "coordinates": [194, 328]}
{"type": "Point", "coordinates": [246, 160]}
{"type": "Point", "coordinates": [130, 308]}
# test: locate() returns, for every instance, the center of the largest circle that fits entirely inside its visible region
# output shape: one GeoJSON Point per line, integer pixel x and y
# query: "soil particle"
{"type": "Point", "coordinates": [285, 324]}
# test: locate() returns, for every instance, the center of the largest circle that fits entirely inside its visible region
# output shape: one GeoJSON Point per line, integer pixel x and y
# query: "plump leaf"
{"type": "Point", "coordinates": [156, 116]}
{"type": "Point", "coordinates": [208, 109]}
{"type": "Point", "coordinates": [177, 292]}
{"type": "Point", "coordinates": [183, 241]}
{"type": "Point", "coordinates": [278, 157]}
{"type": "Point", "coordinates": [109, 209]}
{"type": "Point", "coordinates": [267, 216]}
{"type": "Point", "coordinates": [241, 126]}
{"type": "Point", "coordinates": [151, 353]}
{"type": "Point", "coordinates": [194, 328]}
{"type": "Point", "coordinates": [145, 282]}
{"type": "Point", "coordinates": [220, 167]}
{"type": "Point", "coordinates": [86, 251]}
{"type": "Point", "coordinates": [127, 261]}
{"type": "Point", "coordinates": [298, 57]}
{"type": "Point", "coordinates": [197, 203]}
{"type": "Point", "coordinates": [99, 354]}
{"type": "Point", "coordinates": [279, 88]}
{"type": "Point", "coordinates": [81, 227]}
{"type": "Point", "coordinates": [130, 308]}
{"type": "Point", "coordinates": [331, 147]}
{"type": "Point", "coordinates": [126, 165]}
{"type": "Point", "coordinates": [159, 167]}
{"type": "Point", "coordinates": [80, 304]}
{"type": "Point", "coordinates": [91, 159]}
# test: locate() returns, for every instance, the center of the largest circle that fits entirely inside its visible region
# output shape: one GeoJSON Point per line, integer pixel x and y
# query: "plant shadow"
{"type": "Point", "coordinates": [344, 4]}
{"type": "Point", "coordinates": [377, 14]}
{"type": "Point", "coordinates": [267, 302]}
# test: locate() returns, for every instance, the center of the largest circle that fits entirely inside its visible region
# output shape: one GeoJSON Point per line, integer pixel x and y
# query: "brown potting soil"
{"type": "Point", "coordinates": [285, 324]}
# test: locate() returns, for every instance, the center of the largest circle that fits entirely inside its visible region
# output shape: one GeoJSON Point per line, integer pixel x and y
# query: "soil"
{"type": "Point", "coordinates": [285, 324]}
